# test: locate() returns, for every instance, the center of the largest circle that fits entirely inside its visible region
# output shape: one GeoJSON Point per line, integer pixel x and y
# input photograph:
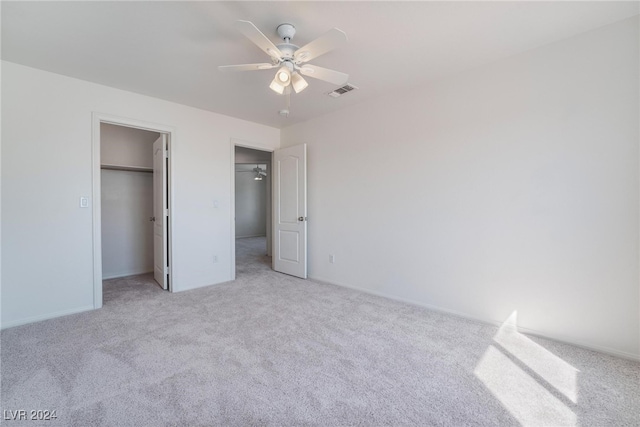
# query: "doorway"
{"type": "Point", "coordinates": [286, 231]}
{"type": "Point", "coordinates": [127, 196]}
{"type": "Point", "coordinates": [131, 201]}
{"type": "Point", "coordinates": [251, 189]}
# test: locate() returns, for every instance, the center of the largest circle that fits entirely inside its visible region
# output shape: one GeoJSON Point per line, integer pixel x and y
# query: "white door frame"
{"type": "Point", "coordinates": [97, 119]}
{"type": "Point", "coordinates": [235, 142]}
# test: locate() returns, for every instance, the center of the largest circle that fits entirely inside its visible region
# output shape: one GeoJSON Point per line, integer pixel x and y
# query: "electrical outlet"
{"type": "Point", "coordinates": [332, 259]}
{"type": "Point", "coordinates": [215, 259]}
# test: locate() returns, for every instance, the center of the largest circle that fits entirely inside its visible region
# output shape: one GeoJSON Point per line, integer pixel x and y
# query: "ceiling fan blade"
{"type": "Point", "coordinates": [247, 67]}
{"type": "Point", "coordinates": [331, 76]}
{"type": "Point", "coordinates": [255, 35]}
{"type": "Point", "coordinates": [323, 44]}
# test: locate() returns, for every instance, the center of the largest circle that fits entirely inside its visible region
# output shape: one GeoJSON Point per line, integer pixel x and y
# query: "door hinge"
{"type": "Point", "coordinates": [167, 270]}
{"type": "Point", "coordinates": [166, 154]}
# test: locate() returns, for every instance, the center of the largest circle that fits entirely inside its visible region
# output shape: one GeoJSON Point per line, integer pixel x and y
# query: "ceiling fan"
{"type": "Point", "coordinates": [259, 173]}
{"type": "Point", "coordinates": [290, 59]}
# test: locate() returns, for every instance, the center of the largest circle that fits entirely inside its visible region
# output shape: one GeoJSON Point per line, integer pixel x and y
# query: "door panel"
{"type": "Point", "coordinates": [160, 211]}
{"type": "Point", "coordinates": [290, 210]}
{"type": "Point", "coordinates": [289, 206]}
{"type": "Point", "coordinates": [289, 246]}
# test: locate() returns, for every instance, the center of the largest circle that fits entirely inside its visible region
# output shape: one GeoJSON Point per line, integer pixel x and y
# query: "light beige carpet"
{"type": "Point", "coordinates": [270, 349]}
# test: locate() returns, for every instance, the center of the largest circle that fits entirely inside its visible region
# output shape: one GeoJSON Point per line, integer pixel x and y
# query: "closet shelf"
{"type": "Point", "coordinates": [126, 168]}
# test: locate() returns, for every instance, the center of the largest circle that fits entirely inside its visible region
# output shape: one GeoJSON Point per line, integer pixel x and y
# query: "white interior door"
{"type": "Point", "coordinates": [160, 211]}
{"type": "Point", "coordinates": [290, 210]}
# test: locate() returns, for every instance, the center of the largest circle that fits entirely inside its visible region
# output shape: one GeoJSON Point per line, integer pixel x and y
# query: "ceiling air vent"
{"type": "Point", "coordinates": [342, 90]}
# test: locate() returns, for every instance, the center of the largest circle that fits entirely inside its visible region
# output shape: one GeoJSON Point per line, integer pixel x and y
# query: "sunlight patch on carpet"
{"type": "Point", "coordinates": [534, 385]}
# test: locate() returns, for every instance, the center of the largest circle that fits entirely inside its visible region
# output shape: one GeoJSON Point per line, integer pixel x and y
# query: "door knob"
{"type": "Point", "coordinates": [302, 218]}
{"type": "Point", "coordinates": [152, 218]}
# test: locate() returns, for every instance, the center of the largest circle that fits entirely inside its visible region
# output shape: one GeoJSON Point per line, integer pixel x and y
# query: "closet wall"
{"type": "Point", "coordinates": [127, 200]}
{"type": "Point", "coordinates": [123, 146]}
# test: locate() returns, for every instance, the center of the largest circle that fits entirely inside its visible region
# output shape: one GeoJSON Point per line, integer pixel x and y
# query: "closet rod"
{"type": "Point", "coordinates": [126, 168]}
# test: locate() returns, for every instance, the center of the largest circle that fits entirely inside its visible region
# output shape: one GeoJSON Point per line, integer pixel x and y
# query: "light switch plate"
{"type": "Point", "coordinates": [84, 202]}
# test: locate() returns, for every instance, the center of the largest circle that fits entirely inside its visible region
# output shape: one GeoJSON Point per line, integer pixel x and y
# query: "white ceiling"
{"type": "Point", "coordinates": [171, 50]}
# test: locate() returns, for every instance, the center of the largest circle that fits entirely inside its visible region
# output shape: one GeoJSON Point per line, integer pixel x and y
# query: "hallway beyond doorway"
{"type": "Point", "coordinates": [251, 256]}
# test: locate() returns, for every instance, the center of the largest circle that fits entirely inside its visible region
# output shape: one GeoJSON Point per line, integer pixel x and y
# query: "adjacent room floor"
{"type": "Point", "coordinates": [270, 349]}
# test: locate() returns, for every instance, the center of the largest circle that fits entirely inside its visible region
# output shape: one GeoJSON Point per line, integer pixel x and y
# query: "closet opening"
{"type": "Point", "coordinates": [132, 200]}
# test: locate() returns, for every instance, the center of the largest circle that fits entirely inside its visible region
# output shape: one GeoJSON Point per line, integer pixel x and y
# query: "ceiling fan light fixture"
{"type": "Point", "coordinates": [284, 75]}
{"type": "Point", "coordinates": [298, 82]}
{"type": "Point", "coordinates": [276, 86]}
{"type": "Point", "coordinates": [259, 173]}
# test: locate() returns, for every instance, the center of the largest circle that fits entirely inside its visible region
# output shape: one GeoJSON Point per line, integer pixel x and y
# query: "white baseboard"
{"type": "Point", "coordinates": [6, 325]}
{"type": "Point", "coordinates": [127, 274]}
{"type": "Point", "coordinates": [493, 322]}
{"type": "Point", "coordinates": [206, 285]}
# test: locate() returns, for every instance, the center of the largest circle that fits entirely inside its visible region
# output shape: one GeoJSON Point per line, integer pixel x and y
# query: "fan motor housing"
{"type": "Point", "coordinates": [287, 49]}
{"type": "Point", "coordinates": [286, 31]}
